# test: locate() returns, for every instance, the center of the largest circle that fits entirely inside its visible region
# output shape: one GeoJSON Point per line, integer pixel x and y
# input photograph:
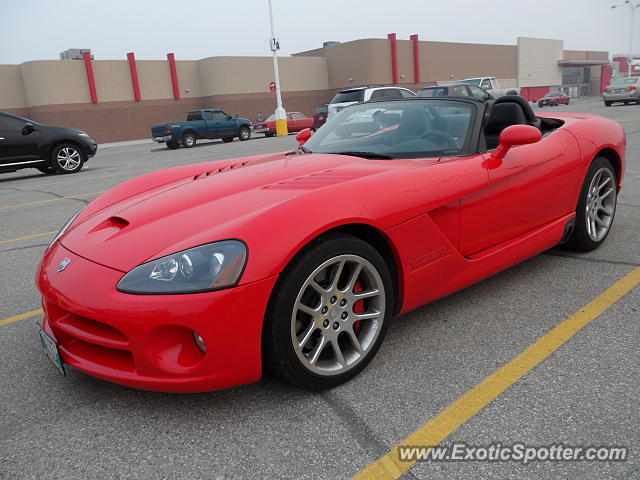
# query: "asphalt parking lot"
{"type": "Point", "coordinates": [585, 393]}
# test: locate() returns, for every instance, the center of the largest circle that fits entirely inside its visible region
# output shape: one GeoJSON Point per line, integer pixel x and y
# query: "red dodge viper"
{"type": "Point", "coordinates": [202, 276]}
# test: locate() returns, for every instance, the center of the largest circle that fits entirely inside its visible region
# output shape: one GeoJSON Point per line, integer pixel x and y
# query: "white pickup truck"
{"type": "Point", "coordinates": [491, 85]}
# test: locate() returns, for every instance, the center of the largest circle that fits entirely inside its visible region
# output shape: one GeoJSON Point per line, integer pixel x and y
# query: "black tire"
{"type": "Point", "coordinates": [67, 158]}
{"type": "Point", "coordinates": [244, 134]}
{"type": "Point", "coordinates": [47, 170]}
{"type": "Point", "coordinates": [280, 357]}
{"type": "Point", "coordinates": [567, 102]}
{"type": "Point", "coordinates": [580, 239]}
{"type": "Point", "coordinates": [189, 140]}
{"type": "Point", "coordinates": [227, 139]}
{"type": "Point", "coordinates": [171, 145]}
{"type": "Point", "coordinates": [269, 134]}
{"type": "Point", "coordinates": [607, 104]}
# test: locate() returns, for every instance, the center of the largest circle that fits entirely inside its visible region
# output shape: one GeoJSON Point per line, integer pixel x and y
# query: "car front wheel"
{"type": "Point", "coordinates": [67, 158]}
{"type": "Point", "coordinates": [596, 207]}
{"type": "Point", "coordinates": [244, 134]}
{"type": "Point", "coordinates": [329, 313]}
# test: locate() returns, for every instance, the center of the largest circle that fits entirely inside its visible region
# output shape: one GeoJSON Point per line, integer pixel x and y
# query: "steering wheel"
{"type": "Point", "coordinates": [440, 138]}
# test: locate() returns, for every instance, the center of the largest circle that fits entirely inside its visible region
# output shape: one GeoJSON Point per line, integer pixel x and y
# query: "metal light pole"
{"type": "Point", "coordinates": [281, 114]}
{"type": "Point", "coordinates": [633, 11]}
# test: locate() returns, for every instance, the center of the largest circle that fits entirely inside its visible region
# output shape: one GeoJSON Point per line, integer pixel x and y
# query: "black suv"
{"type": "Point", "coordinates": [27, 144]}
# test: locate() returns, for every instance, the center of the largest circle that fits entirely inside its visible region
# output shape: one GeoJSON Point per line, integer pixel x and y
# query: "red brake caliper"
{"type": "Point", "coordinates": [358, 307]}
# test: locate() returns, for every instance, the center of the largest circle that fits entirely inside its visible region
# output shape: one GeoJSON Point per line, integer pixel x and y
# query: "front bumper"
{"type": "Point", "coordinates": [145, 341]}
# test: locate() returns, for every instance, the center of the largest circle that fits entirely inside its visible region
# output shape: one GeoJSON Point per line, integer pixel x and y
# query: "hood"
{"type": "Point", "coordinates": [212, 205]}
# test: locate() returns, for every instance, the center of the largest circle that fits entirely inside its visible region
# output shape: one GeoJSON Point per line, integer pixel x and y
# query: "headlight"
{"type": "Point", "coordinates": [200, 269]}
{"type": "Point", "coordinates": [65, 227]}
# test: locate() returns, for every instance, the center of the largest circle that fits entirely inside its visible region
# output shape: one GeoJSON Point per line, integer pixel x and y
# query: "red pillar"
{"type": "Point", "coordinates": [134, 76]}
{"type": "Point", "coordinates": [416, 58]}
{"type": "Point", "coordinates": [605, 77]}
{"type": "Point", "coordinates": [394, 57]}
{"type": "Point", "coordinates": [174, 75]}
{"type": "Point", "coordinates": [90, 78]}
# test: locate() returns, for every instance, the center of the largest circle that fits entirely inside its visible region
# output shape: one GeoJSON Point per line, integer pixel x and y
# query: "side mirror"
{"type": "Point", "coordinates": [28, 128]}
{"type": "Point", "coordinates": [514, 136]}
{"type": "Point", "coordinates": [303, 136]}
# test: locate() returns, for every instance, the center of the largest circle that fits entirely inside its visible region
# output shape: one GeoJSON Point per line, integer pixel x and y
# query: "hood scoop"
{"type": "Point", "coordinates": [109, 228]}
{"type": "Point", "coordinates": [226, 168]}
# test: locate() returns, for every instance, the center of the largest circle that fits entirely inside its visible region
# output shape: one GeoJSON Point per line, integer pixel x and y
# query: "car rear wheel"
{"type": "Point", "coordinates": [607, 104]}
{"type": "Point", "coordinates": [329, 313]}
{"type": "Point", "coordinates": [171, 145]}
{"type": "Point", "coordinates": [67, 158]}
{"type": "Point", "coordinates": [596, 207]}
{"type": "Point", "coordinates": [269, 134]}
{"type": "Point", "coordinates": [244, 134]}
{"type": "Point", "coordinates": [189, 140]}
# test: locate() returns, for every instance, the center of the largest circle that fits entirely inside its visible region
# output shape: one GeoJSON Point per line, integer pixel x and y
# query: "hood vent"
{"type": "Point", "coordinates": [233, 166]}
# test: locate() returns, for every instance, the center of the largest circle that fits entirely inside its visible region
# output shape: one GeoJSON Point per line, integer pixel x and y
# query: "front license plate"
{"type": "Point", "coordinates": [51, 349]}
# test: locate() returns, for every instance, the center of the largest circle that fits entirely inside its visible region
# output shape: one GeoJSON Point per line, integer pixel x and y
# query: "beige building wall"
{"type": "Point", "coordinates": [52, 82]}
{"type": "Point", "coordinates": [235, 75]}
{"type": "Point", "coordinates": [113, 80]}
{"type": "Point", "coordinates": [11, 89]}
{"type": "Point", "coordinates": [155, 79]}
{"type": "Point", "coordinates": [538, 62]}
{"type": "Point", "coordinates": [361, 62]}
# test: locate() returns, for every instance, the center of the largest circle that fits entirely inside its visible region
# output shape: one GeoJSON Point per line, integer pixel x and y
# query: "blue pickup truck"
{"type": "Point", "coordinates": [201, 124]}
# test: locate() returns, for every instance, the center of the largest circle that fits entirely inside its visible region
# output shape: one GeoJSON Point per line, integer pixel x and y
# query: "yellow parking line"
{"type": "Point", "coordinates": [22, 316]}
{"type": "Point", "coordinates": [448, 421]}
{"type": "Point", "coordinates": [35, 235]}
{"type": "Point", "coordinates": [39, 202]}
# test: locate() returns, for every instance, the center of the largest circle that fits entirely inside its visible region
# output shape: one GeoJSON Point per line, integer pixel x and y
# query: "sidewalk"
{"type": "Point", "coordinates": [127, 143]}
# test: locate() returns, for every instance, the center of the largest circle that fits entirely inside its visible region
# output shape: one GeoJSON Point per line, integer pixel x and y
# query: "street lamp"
{"type": "Point", "coordinates": [633, 10]}
{"type": "Point", "coordinates": [281, 114]}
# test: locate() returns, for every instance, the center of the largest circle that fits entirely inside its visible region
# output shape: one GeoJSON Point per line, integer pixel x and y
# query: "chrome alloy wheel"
{"type": "Point", "coordinates": [244, 134]}
{"type": "Point", "coordinates": [68, 158]}
{"type": "Point", "coordinates": [338, 315]}
{"type": "Point", "coordinates": [189, 141]}
{"type": "Point", "coordinates": [601, 204]}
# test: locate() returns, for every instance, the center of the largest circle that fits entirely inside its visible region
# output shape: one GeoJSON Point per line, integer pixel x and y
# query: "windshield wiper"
{"type": "Point", "coordinates": [300, 149]}
{"type": "Point", "coordinates": [364, 154]}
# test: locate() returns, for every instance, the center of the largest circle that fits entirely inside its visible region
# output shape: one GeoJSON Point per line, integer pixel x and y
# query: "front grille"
{"type": "Point", "coordinates": [86, 341]}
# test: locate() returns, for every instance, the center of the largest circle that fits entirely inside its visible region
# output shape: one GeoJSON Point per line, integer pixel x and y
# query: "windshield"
{"type": "Point", "coordinates": [472, 81]}
{"type": "Point", "coordinates": [349, 96]}
{"type": "Point", "coordinates": [433, 92]}
{"type": "Point", "coordinates": [409, 129]}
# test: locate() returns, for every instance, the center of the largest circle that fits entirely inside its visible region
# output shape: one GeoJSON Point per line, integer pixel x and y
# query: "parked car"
{"type": "Point", "coordinates": [201, 124]}
{"type": "Point", "coordinates": [456, 90]}
{"type": "Point", "coordinates": [623, 90]}
{"type": "Point", "coordinates": [320, 116]}
{"type": "Point", "coordinates": [296, 121]}
{"type": "Point", "coordinates": [205, 276]}
{"type": "Point", "coordinates": [352, 96]}
{"type": "Point", "coordinates": [28, 144]}
{"type": "Point", "coordinates": [553, 99]}
{"type": "Point", "coordinates": [492, 85]}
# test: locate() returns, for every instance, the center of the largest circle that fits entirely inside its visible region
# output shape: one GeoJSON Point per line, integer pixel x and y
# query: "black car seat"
{"type": "Point", "coordinates": [413, 124]}
{"type": "Point", "coordinates": [506, 111]}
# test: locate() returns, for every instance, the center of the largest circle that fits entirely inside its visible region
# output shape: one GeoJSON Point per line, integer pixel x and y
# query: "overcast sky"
{"type": "Point", "coordinates": [41, 29]}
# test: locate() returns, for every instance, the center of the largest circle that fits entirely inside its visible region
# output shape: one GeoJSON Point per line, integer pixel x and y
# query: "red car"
{"type": "Point", "coordinates": [200, 277]}
{"type": "Point", "coordinates": [296, 121]}
{"type": "Point", "coordinates": [320, 116]}
{"type": "Point", "coordinates": [554, 99]}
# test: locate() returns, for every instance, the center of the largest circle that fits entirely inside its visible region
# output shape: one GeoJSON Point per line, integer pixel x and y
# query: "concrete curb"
{"type": "Point", "coordinates": [128, 143]}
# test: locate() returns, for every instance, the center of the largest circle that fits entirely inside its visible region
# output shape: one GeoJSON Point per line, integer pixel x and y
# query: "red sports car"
{"type": "Point", "coordinates": [554, 99]}
{"type": "Point", "coordinates": [200, 277]}
{"type": "Point", "coordinates": [296, 122]}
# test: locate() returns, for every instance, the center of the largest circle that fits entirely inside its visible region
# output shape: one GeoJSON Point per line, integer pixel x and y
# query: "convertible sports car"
{"type": "Point", "coordinates": [199, 277]}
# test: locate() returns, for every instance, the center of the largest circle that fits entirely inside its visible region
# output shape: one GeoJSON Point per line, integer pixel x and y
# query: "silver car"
{"type": "Point", "coordinates": [625, 90]}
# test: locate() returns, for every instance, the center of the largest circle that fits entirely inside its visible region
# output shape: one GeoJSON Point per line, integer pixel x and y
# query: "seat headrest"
{"type": "Point", "coordinates": [526, 107]}
{"type": "Point", "coordinates": [503, 115]}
